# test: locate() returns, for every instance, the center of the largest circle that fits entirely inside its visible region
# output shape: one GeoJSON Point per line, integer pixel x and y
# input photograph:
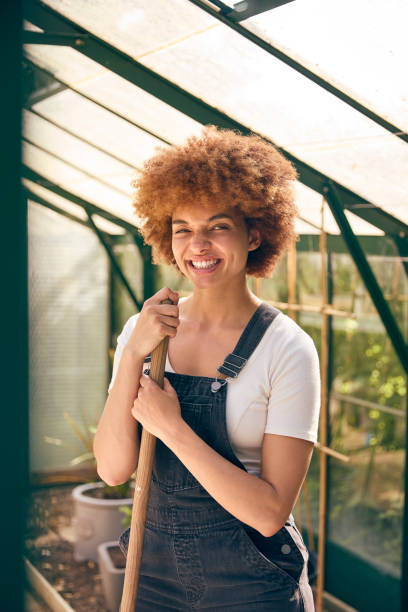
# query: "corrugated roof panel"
{"type": "Point", "coordinates": [360, 47]}
{"type": "Point", "coordinates": [136, 26]}
{"type": "Point", "coordinates": [88, 77]}
{"type": "Point", "coordinates": [76, 152]}
{"type": "Point", "coordinates": [232, 74]}
{"type": "Point", "coordinates": [77, 182]}
{"type": "Point", "coordinates": [99, 126]}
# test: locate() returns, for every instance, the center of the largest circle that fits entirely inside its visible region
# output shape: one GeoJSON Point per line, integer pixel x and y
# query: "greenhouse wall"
{"type": "Point", "coordinates": [68, 335]}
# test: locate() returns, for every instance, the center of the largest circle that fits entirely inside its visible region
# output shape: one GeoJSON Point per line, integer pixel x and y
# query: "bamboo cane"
{"type": "Point", "coordinates": [142, 488]}
{"type": "Point", "coordinates": [323, 426]}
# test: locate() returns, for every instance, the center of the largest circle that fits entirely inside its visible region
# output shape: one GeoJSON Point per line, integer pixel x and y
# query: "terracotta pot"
{"type": "Point", "coordinates": [95, 520]}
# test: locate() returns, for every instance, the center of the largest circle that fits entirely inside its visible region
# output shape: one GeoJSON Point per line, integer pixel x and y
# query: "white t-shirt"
{"type": "Point", "coordinates": [276, 392]}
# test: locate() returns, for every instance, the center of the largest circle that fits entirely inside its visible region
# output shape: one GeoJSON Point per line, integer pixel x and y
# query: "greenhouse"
{"type": "Point", "coordinates": [104, 83]}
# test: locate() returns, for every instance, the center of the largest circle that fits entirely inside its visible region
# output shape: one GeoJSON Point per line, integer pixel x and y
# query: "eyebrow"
{"type": "Point", "coordinates": [219, 216]}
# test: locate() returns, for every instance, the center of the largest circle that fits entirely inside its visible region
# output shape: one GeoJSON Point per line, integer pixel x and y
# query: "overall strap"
{"type": "Point", "coordinates": [249, 340]}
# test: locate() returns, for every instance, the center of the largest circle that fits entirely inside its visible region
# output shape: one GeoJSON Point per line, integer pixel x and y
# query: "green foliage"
{"type": "Point", "coordinates": [85, 434]}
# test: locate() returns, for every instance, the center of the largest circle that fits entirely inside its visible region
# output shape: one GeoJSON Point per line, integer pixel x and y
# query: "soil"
{"type": "Point", "coordinates": [49, 547]}
{"type": "Point", "coordinates": [117, 557]}
{"type": "Point", "coordinates": [118, 492]}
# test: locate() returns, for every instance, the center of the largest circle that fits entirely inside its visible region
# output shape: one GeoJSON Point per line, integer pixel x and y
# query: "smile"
{"type": "Point", "coordinates": [204, 265]}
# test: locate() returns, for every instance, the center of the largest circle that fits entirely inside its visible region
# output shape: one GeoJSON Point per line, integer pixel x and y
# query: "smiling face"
{"type": "Point", "coordinates": [210, 245]}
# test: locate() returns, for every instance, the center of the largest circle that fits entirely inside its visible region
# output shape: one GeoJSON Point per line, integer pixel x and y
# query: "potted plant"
{"type": "Point", "coordinates": [112, 565]}
{"type": "Point", "coordinates": [96, 516]}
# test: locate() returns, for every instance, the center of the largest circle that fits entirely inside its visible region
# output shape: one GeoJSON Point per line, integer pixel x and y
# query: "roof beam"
{"type": "Point", "coordinates": [369, 279]}
{"type": "Point", "coordinates": [90, 175]}
{"type": "Point", "coordinates": [80, 138]}
{"type": "Point", "coordinates": [46, 38]}
{"type": "Point", "coordinates": [105, 243]}
{"type": "Point", "coordinates": [269, 48]}
{"type": "Point", "coordinates": [66, 85]}
{"type": "Point", "coordinates": [249, 8]}
{"type": "Point", "coordinates": [35, 177]}
{"type": "Point", "coordinates": [128, 68]}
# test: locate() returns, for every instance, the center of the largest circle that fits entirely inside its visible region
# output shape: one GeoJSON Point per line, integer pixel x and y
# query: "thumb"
{"type": "Point", "coordinates": [167, 387]}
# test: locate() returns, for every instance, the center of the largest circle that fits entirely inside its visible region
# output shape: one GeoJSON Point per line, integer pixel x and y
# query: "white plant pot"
{"type": "Point", "coordinates": [112, 577]}
{"type": "Point", "coordinates": [95, 521]}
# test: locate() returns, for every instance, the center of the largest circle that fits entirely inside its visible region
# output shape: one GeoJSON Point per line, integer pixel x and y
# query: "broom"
{"type": "Point", "coordinates": [142, 487]}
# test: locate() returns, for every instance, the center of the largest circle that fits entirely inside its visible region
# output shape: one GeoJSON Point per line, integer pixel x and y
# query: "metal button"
{"type": "Point", "coordinates": [285, 549]}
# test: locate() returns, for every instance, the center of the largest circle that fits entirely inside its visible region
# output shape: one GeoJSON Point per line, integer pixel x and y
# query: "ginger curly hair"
{"type": "Point", "coordinates": [225, 168]}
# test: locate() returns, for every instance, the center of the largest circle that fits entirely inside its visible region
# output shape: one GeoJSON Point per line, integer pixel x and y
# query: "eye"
{"type": "Point", "coordinates": [220, 226]}
{"type": "Point", "coordinates": [181, 230]}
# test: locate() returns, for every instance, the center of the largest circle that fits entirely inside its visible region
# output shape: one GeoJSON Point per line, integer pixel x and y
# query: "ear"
{"type": "Point", "coordinates": [254, 239]}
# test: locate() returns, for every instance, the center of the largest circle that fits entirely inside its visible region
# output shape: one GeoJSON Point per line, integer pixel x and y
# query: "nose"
{"type": "Point", "coordinates": [199, 242]}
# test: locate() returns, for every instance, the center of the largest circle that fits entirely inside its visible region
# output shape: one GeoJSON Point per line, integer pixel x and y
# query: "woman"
{"type": "Point", "coordinates": [237, 418]}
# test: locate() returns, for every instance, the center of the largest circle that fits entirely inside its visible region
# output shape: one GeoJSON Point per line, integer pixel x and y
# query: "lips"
{"type": "Point", "coordinates": [202, 266]}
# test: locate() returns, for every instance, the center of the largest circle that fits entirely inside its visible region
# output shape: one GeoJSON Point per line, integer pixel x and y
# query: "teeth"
{"type": "Point", "coordinates": [204, 264]}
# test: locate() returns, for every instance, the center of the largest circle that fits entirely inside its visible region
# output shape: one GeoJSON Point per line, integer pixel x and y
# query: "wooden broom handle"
{"type": "Point", "coordinates": [142, 488]}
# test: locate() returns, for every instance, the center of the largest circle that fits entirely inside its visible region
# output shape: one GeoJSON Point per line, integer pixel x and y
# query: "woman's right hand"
{"type": "Point", "coordinates": [155, 322]}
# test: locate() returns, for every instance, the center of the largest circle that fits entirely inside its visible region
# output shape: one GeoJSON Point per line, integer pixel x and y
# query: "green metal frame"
{"type": "Point", "coordinates": [75, 167]}
{"type": "Point", "coordinates": [372, 245]}
{"type": "Point", "coordinates": [368, 276]}
{"type": "Point", "coordinates": [45, 92]}
{"type": "Point", "coordinates": [289, 61]}
{"type": "Point", "coordinates": [90, 210]}
{"type": "Point", "coordinates": [404, 564]}
{"type": "Point", "coordinates": [149, 269]}
{"type": "Point", "coordinates": [104, 242]}
{"type": "Point", "coordinates": [244, 10]}
{"type": "Point", "coordinates": [66, 85]}
{"type": "Point", "coordinates": [39, 200]}
{"type": "Point", "coordinates": [43, 38]}
{"type": "Point", "coordinates": [104, 238]}
{"type": "Point", "coordinates": [398, 343]}
{"type": "Point", "coordinates": [14, 448]}
{"type": "Point", "coordinates": [194, 107]}
{"type": "Point", "coordinates": [35, 177]}
{"type": "Point", "coordinates": [80, 138]}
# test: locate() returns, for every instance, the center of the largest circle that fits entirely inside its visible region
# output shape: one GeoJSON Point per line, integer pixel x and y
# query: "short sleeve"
{"type": "Point", "coordinates": [294, 401]}
{"type": "Point", "coordinates": [121, 343]}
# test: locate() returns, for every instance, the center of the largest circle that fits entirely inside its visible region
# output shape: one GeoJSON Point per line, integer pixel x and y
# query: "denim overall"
{"type": "Point", "coordinates": [196, 555]}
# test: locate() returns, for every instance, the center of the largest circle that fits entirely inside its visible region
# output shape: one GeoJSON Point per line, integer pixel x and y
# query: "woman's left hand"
{"type": "Point", "coordinates": [158, 410]}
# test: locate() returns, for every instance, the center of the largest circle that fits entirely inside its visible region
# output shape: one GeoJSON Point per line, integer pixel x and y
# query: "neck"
{"type": "Point", "coordinates": [221, 307]}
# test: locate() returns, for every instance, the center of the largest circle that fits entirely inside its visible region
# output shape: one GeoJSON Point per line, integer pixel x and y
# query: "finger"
{"type": "Point", "coordinates": [170, 321]}
{"type": "Point", "coordinates": [167, 309]}
{"type": "Point", "coordinates": [165, 293]}
{"type": "Point", "coordinates": [145, 380]}
{"type": "Point", "coordinates": [168, 387]}
{"type": "Point", "coordinates": [168, 330]}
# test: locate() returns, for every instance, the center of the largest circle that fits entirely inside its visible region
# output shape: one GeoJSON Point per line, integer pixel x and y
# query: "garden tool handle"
{"type": "Point", "coordinates": [142, 488]}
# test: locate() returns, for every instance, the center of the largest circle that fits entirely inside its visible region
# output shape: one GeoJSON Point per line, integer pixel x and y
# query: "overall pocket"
{"type": "Point", "coordinates": [279, 552]}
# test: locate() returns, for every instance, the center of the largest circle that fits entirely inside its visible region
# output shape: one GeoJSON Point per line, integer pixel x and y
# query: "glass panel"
{"type": "Point", "coordinates": [322, 130]}
{"type": "Point", "coordinates": [367, 414]}
{"type": "Point", "coordinates": [68, 333]}
{"type": "Point", "coordinates": [137, 27]}
{"type": "Point", "coordinates": [77, 183]}
{"type": "Point", "coordinates": [130, 261]}
{"type": "Point", "coordinates": [76, 152]}
{"type": "Point", "coordinates": [360, 47]}
{"type": "Point", "coordinates": [117, 94]}
{"type": "Point", "coordinates": [306, 199]}
{"type": "Point", "coordinates": [73, 209]}
{"type": "Point", "coordinates": [334, 138]}
{"type": "Point", "coordinates": [84, 118]}
{"type": "Point", "coordinates": [53, 198]}
{"type": "Point", "coordinates": [309, 204]}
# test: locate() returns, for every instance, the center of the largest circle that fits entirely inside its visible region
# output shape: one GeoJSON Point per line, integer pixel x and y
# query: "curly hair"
{"type": "Point", "coordinates": [220, 167]}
